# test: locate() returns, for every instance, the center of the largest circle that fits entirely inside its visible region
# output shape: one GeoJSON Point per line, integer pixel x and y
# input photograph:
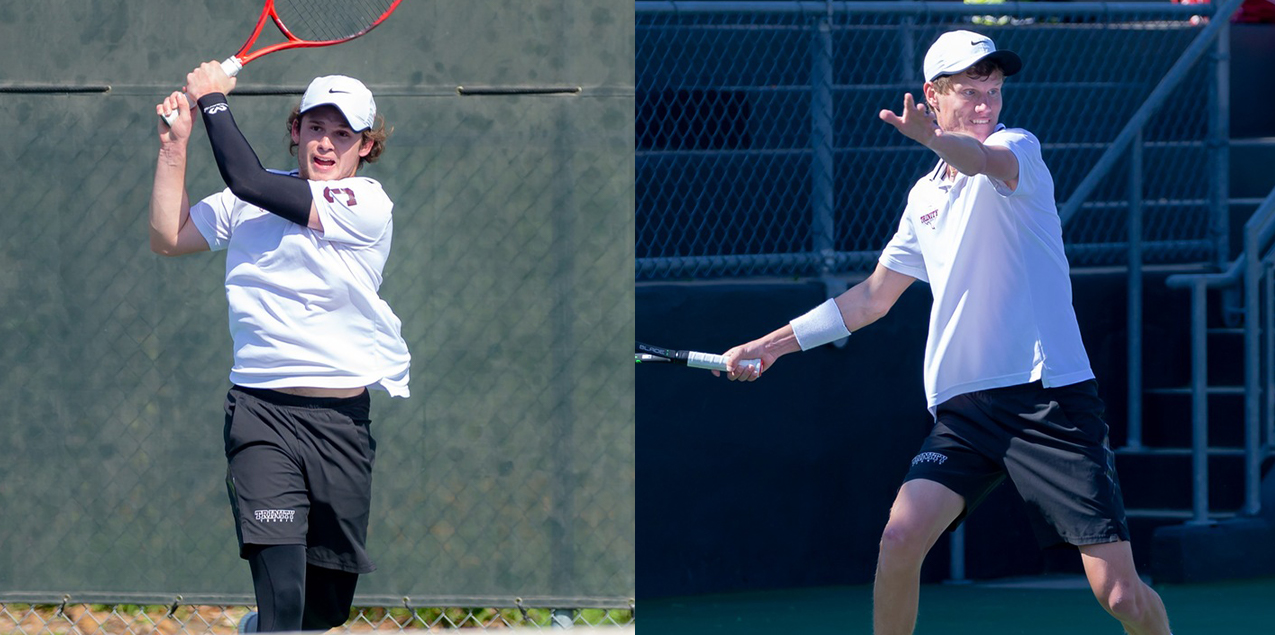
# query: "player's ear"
{"type": "Point", "coordinates": [931, 96]}
{"type": "Point", "coordinates": [365, 146]}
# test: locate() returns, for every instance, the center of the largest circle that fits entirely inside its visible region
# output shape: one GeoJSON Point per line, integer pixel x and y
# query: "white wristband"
{"type": "Point", "coordinates": [819, 326]}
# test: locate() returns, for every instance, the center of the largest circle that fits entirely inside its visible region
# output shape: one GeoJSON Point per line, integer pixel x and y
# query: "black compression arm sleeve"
{"type": "Point", "coordinates": [280, 194]}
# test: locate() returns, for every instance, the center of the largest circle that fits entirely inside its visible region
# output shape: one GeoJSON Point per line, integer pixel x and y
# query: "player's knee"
{"type": "Point", "coordinates": [1125, 602]}
{"type": "Point", "coordinates": [902, 544]}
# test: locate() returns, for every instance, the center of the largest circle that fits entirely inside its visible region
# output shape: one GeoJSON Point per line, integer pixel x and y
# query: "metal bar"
{"type": "Point", "coordinates": [1199, 404]}
{"type": "Point", "coordinates": [54, 89]}
{"type": "Point", "coordinates": [245, 88]}
{"type": "Point", "coordinates": [956, 564]}
{"type": "Point", "coordinates": [915, 149]}
{"type": "Point", "coordinates": [1252, 372]}
{"type": "Point", "coordinates": [1268, 324]}
{"type": "Point", "coordinates": [1176, 74]}
{"type": "Point", "coordinates": [1262, 222]}
{"type": "Point", "coordinates": [783, 263]}
{"type": "Point", "coordinates": [562, 619]}
{"type": "Point", "coordinates": [815, 7]}
{"type": "Point", "coordinates": [1219, 97]}
{"type": "Point", "coordinates": [364, 600]}
{"type": "Point", "coordinates": [517, 90]}
{"type": "Point", "coordinates": [1220, 133]}
{"type": "Point", "coordinates": [561, 426]}
{"type": "Point", "coordinates": [720, 265]}
{"type": "Point", "coordinates": [1134, 308]}
{"type": "Point", "coordinates": [823, 168]}
{"type": "Point", "coordinates": [821, 141]}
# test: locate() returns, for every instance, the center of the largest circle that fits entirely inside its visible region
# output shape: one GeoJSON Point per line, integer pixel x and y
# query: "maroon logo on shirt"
{"type": "Point", "coordinates": [928, 219]}
{"type": "Point", "coordinates": [331, 193]}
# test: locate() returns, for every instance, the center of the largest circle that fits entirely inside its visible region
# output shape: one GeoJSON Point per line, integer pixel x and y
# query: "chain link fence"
{"type": "Point", "coordinates": [505, 483]}
{"type": "Point", "coordinates": [221, 620]}
{"type": "Point", "coordinates": [759, 149]}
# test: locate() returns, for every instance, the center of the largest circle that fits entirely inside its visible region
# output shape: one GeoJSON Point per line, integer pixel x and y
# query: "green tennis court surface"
{"type": "Point", "coordinates": [1039, 606]}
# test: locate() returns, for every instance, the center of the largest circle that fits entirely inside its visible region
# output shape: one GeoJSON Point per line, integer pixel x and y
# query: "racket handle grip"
{"type": "Point", "coordinates": [171, 117]}
{"type": "Point", "coordinates": [231, 66]}
{"type": "Point", "coordinates": [715, 362]}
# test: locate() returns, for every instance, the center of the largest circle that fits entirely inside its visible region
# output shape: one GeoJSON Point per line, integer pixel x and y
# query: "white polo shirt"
{"type": "Point", "coordinates": [304, 309]}
{"type": "Point", "coordinates": [994, 258]}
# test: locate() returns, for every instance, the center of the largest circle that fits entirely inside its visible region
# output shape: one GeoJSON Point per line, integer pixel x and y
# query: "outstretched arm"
{"type": "Point", "coordinates": [965, 153]}
{"type": "Point", "coordinates": [859, 306]}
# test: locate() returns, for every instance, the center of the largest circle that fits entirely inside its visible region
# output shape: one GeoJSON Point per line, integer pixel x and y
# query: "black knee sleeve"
{"type": "Point", "coordinates": [328, 596]}
{"type": "Point", "coordinates": [278, 576]}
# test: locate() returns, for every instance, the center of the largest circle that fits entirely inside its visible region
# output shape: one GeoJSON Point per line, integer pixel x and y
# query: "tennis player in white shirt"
{"type": "Point", "coordinates": [305, 252]}
{"type": "Point", "coordinates": [1006, 374]}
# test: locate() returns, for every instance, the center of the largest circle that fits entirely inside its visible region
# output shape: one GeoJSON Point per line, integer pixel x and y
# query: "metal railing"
{"type": "Point", "coordinates": [1247, 273]}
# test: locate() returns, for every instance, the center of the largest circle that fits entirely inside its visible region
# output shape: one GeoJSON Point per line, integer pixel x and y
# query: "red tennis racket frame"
{"type": "Point", "coordinates": [292, 41]}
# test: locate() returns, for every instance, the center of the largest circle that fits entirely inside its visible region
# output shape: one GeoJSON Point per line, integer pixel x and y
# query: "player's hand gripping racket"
{"type": "Point", "coordinates": [309, 23]}
{"type": "Point", "coordinates": [647, 354]}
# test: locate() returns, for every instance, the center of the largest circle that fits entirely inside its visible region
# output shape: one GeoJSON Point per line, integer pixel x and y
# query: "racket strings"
{"type": "Point", "coordinates": [328, 20]}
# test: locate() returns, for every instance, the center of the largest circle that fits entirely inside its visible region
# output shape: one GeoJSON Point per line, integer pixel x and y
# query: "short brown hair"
{"type": "Point", "coordinates": [377, 134]}
{"type": "Point", "coordinates": [982, 70]}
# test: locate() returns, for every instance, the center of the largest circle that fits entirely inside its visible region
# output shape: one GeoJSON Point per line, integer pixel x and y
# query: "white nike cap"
{"type": "Point", "coordinates": [956, 51]}
{"type": "Point", "coordinates": [349, 95]}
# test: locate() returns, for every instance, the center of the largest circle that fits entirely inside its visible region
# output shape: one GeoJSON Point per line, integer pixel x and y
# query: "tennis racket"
{"type": "Point", "coordinates": [647, 354]}
{"type": "Point", "coordinates": [308, 23]}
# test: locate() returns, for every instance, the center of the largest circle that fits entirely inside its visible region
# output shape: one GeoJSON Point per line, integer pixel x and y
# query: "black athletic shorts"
{"type": "Point", "coordinates": [1052, 445]}
{"type": "Point", "coordinates": [300, 473]}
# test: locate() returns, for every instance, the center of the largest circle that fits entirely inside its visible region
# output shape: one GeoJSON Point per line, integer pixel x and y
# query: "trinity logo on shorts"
{"type": "Point", "coordinates": [274, 515]}
{"type": "Point", "coordinates": [216, 108]}
{"type": "Point", "coordinates": [929, 457]}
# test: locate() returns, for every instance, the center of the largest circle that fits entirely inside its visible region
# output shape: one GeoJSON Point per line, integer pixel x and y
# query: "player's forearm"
{"type": "Point", "coordinates": [780, 342]}
{"type": "Point", "coordinates": [169, 206]}
{"type": "Point", "coordinates": [963, 152]}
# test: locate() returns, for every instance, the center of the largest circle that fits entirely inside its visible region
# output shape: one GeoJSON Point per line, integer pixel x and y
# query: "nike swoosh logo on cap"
{"type": "Point", "coordinates": [343, 92]}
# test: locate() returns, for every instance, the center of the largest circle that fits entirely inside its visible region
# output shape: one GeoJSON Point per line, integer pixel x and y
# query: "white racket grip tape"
{"type": "Point", "coordinates": [709, 361]}
{"type": "Point", "coordinates": [231, 66]}
{"type": "Point", "coordinates": [819, 326]}
{"type": "Point", "coordinates": [171, 117]}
